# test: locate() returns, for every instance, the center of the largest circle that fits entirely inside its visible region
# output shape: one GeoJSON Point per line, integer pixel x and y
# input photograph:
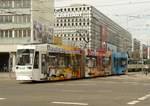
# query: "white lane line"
{"type": "Point", "coordinates": [144, 97]}
{"type": "Point", "coordinates": [71, 103]}
{"type": "Point", "coordinates": [2, 98]}
{"type": "Point", "coordinates": [139, 100]}
{"type": "Point", "coordinates": [133, 102]}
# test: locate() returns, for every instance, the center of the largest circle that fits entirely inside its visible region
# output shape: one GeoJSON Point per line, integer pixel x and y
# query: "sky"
{"type": "Point", "coordinates": [133, 15]}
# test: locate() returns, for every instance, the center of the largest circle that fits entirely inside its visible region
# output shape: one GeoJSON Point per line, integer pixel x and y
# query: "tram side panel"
{"type": "Point", "coordinates": [119, 65]}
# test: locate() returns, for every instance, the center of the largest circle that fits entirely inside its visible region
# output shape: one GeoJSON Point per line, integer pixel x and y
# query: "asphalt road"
{"type": "Point", "coordinates": [109, 91]}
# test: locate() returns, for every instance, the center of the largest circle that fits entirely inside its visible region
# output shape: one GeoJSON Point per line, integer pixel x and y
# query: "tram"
{"type": "Point", "coordinates": [44, 62]}
{"type": "Point", "coordinates": [48, 62]}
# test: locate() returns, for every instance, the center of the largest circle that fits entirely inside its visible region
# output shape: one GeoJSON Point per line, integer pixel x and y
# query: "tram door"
{"type": "Point", "coordinates": [43, 64]}
{"type": "Point", "coordinates": [36, 67]}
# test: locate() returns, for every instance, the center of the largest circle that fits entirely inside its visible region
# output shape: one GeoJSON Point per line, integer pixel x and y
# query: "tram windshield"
{"type": "Point", "coordinates": [25, 57]}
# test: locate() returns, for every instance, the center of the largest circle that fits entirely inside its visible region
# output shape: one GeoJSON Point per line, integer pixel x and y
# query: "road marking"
{"type": "Point", "coordinates": [71, 103]}
{"type": "Point", "coordinates": [2, 98]}
{"type": "Point", "coordinates": [139, 100]}
{"type": "Point", "coordinates": [144, 97]}
{"type": "Point", "coordinates": [133, 102]}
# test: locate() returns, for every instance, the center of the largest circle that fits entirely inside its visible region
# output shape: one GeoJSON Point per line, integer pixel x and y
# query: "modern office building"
{"type": "Point", "coordinates": [24, 22]}
{"type": "Point", "coordinates": [136, 49]}
{"type": "Point", "coordinates": [85, 25]}
{"type": "Point", "coordinates": [145, 51]}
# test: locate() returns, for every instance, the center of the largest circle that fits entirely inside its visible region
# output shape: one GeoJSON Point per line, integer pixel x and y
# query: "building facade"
{"type": "Point", "coordinates": [85, 25]}
{"type": "Point", "coordinates": [136, 49]}
{"type": "Point", "coordinates": [24, 22]}
{"type": "Point", "coordinates": [145, 52]}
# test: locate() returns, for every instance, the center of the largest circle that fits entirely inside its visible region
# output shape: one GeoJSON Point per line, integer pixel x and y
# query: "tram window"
{"type": "Point", "coordinates": [123, 62]}
{"type": "Point", "coordinates": [53, 60]}
{"type": "Point", "coordinates": [43, 60]}
{"type": "Point", "coordinates": [61, 62]}
{"type": "Point", "coordinates": [115, 62]}
{"type": "Point", "coordinates": [67, 61]}
{"type": "Point", "coordinates": [106, 61]}
{"type": "Point", "coordinates": [91, 62]}
{"type": "Point", "coordinates": [36, 60]}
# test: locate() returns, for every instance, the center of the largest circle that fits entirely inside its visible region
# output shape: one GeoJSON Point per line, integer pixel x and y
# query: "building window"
{"type": "Point", "coordinates": [5, 33]}
{"type": "Point", "coordinates": [26, 3]}
{"type": "Point", "coordinates": [10, 33]}
{"type": "Point", "coordinates": [22, 19]}
{"type": "Point", "coordinates": [1, 33]}
{"type": "Point", "coordinates": [72, 24]}
{"type": "Point", "coordinates": [22, 3]}
{"type": "Point", "coordinates": [28, 32]}
{"type": "Point", "coordinates": [88, 23]}
{"type": "Point", "coordinates": [22, 32]}
{"type": "Point", "coordinates": [80, 39]}
{"type": "Point", "coordinates": [68, 24]}
{"type": "Point", "coordinates": [83, 8]}
{"type": "Point", "coordinates": [6, 19]}
{"type": "Point", "coordinates": [6, 4]}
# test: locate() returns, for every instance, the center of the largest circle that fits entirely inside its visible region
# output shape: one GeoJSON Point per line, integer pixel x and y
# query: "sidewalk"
{"type": "Point", "coordinates": [7, 76]}
{"type": "Point", "coordinates": [138, 76]}
{"type": "Point", "coordinates": [142, 75]}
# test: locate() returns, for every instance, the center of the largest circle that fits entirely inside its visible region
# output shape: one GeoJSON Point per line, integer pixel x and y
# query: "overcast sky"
{"type": "Point", "coordinates": [133, 15]}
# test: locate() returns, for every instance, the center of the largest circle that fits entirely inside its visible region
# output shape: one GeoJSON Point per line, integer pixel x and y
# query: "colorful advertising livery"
{"type": "Point", "coordinates": [53, 62]}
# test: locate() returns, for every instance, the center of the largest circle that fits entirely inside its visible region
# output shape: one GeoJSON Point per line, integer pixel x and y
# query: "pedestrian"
{"type": "Point", "coordinates": [146, 71]}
